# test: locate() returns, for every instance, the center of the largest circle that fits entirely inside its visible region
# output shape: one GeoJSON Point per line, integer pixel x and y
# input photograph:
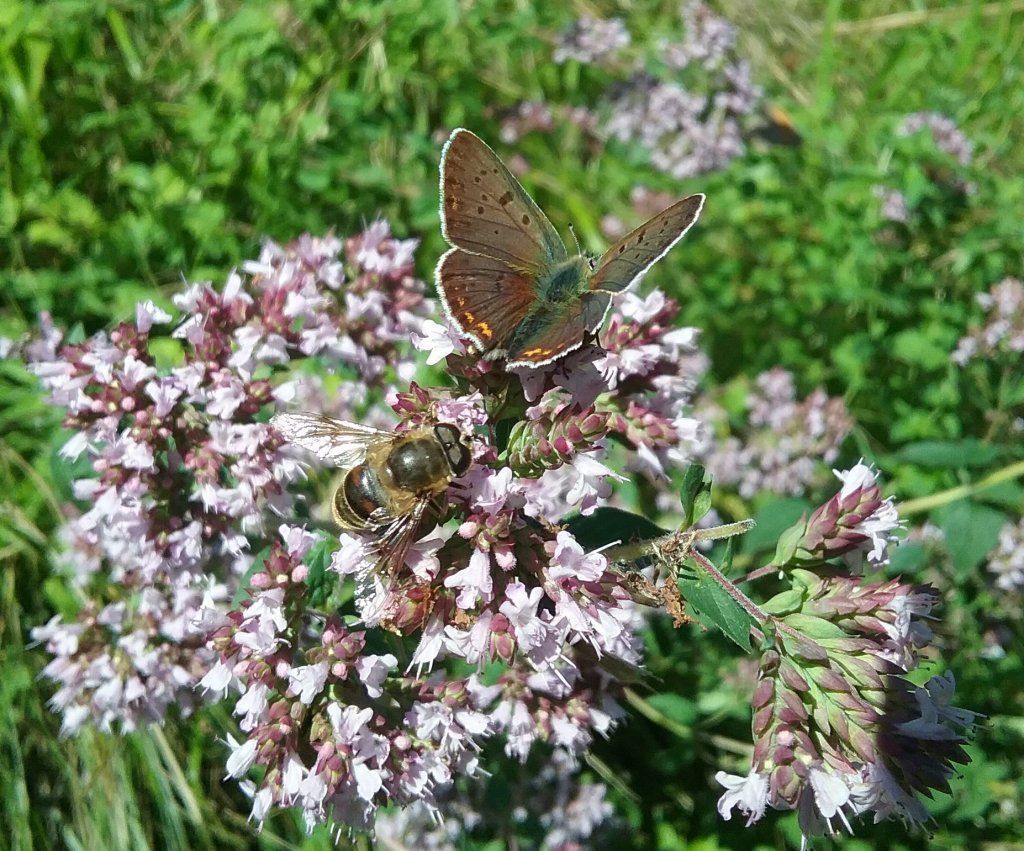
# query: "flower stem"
{"type": "Point", "coordinates": [632, 552]}
{"type": "Point", "coordinates": [936, 500]}
{"type": "Point", "coordinates": [764, 570]}
{"type": "Point", "coordinates": [748, 605]}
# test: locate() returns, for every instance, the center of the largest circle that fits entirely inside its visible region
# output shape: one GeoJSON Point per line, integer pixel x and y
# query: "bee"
{"type": "Point", "coordinates": [389, 479]}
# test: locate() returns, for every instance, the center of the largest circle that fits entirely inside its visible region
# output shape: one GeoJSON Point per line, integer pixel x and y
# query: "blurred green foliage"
{"type": "Point", "coordinates": [140, 142]}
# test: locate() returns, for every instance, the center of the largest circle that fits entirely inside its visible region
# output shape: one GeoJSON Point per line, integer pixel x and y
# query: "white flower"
{"type": "Point", "coordinates": [307, 681]}
{"type": "Point", "coordinates": [590, 482]}
{"type": "Point", "coordinates": [520, 608]}
{"type": "Point", "coordinates": [297, 540]}
{"type": "Point", "coordinates": [242, 756]}
{"type": "Point", "coordinates": [164, 392]}
{"type": "Point", "coordinates": [353, 557]}
{"type": "Point", "coordinates": [147, 314]}
{"type": "Point", "coordinates": [877, 527]}
{"type": "Point", "coordinates": [570, 560]}
{"type": "Point", "coordinates": [831, 792]}
{"type": "Point", "coordinates": [373, 671]}
{"type": "Point", "coordinates": [75, 446]}
{"type": "Point", "coordinates": [438, 341]}
{"type": "Point", "coordinates": [252, 706]}
{"type": "Point", "coordinates": [749, 794]}
{"type": "Point", "coordinates": [430, 646]}
{"type": "Point", "coordinates": [474, 580]}
{"type": "Point", "coordinates": [421, 557]}
{"type": "Point", "coordinates": [939, 721]}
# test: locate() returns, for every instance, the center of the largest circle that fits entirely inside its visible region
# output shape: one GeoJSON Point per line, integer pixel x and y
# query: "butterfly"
{"type": "Point", "coordinates": [508, 283]}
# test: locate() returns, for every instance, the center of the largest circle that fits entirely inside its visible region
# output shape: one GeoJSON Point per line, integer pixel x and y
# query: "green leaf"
{"type": "Point", "coordinates": [695, 495]}
{"type": "Point", "coordinates": [610, 525]}
{"type": "Point", "coordinates": [1004, 494]}
{"type": "Point", "coordinates": [502, 431]}
{"type": "Point", "coordinates": [907, 559]}
{"type": "Point", "coordinates": [948, 454]}
{"type": "Point", "coordinates": [672, 711]}
{"type": "Point", "coordinates": [784, 602]}
{"type": "Point", "coordinates": [917, 348]}
{"type": "Point", "coordinates": [728, 555]}
{"type": "Point", "coordinates": [243, 584]}
{"type": "Point", "coordinates": [813, 626]}
{"type": "Point", "coordinates": [789, 543]}
{"type": "Point", "coordinates": [772, 520]}
{"type": "Point", "coordinates": [971, 530]}
{"type": "Point", "coordinates": [713, 606]}
{"type": "Point", "coordinates": [319, 579]}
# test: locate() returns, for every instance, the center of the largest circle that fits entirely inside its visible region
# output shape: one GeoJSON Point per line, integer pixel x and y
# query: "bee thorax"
{"type": "Point", "coordinates": [419, 465]}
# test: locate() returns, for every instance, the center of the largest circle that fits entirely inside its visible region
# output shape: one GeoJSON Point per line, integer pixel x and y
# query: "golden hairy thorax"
{"type": "Point", "coordinates": [394, 477]}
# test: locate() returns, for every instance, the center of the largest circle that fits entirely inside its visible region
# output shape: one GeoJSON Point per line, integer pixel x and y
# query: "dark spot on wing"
{"type": "Point", "coordinates": [621, 249]}
{"type": "Point", "coordinates": [505, 199]}
{"type": "Point", "coordinates": [476, 179]}
{"type": "Point", "coordinates": [479, 211]}
{"type": "Point", "coordinates": [526, 219]}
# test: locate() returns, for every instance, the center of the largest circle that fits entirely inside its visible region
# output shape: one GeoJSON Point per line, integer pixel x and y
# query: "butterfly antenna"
{"type": "Point", "coordinates": [575, 239]}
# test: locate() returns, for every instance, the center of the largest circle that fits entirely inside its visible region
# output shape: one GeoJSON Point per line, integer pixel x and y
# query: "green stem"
{"type": "Point", "coordinates": [686, 540]}
{"type": "Point", "coordinates": [936, 500]}
{"type": "Point", "coordinates": [659, 718]}
{"type": "Point", "coordinates": [748, 605]}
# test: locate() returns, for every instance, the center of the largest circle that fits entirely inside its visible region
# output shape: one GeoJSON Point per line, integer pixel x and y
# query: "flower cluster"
{"type": "Point", "coordinates": [856, 524]}
{"type": "Point", "coordinates": [1002, 335]}
{"type": "Point", "coordinates": [691, 124]}
{"type": "Point", "coordinates": [944, 132]}
{"type": "Point", "coordinates": [485, 582]}
{"type": "Point", "coordinates": [781, 445]}
{"type": "Point", "coordinates": [1007, 561]}
{"type": "Point", "coordinates": [839, 731]}
{"type": "Point", "coordinates": [592, 41]}
{"type": "Point", "coordinates": [569, 813]}
{"type": "Point", "coordinates": [371, 736]}
{"type": "Point", "coordinates": [528, 116]}
{"type": "Point", "coordinates": [368, 672]}
{"type": "Point", "coordinates": [950, 141]}
{"type": "Point", "coordinates": [894, 204]}
{"type": "Point", "coordinates": [184, 465]}
{"type": "Point", "coordinates": [688, 110]}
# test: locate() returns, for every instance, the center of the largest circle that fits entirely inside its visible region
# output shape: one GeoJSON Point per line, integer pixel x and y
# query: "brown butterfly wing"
{"type": "Point", "coordinates": [548, 334]}
{"type": "Point", "coordinates": [485, 210]}
{"type": "Point", "coordinates": [484, 298]}
{"type": "Point", "coordinates": [629, 259]}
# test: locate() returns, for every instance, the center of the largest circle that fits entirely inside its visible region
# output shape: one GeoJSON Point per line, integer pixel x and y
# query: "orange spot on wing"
{"type": "Point", "coordinates": [485, 330]}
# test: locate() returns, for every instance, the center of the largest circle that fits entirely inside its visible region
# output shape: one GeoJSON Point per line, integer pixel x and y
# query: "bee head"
{"type": "Point", "coordinates": [456, 452]}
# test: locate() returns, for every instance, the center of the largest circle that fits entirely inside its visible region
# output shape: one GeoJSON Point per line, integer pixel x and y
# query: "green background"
{"type": "Point", "coordinates": [140, 142]}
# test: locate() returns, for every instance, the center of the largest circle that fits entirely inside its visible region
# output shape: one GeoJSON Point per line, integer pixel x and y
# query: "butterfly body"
{"type": "Point", "coordinates": [565, 281]}
{"type": "Point", "coordinates": [508, 283]}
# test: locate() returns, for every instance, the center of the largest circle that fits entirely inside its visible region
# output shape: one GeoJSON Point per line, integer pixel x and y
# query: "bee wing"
{"type": "Point", "coordinates": [396, 539]}
{"type": "Point", "coordinates": [338, 442]}
{"type": "Point", "coordinates": [372, 596]}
